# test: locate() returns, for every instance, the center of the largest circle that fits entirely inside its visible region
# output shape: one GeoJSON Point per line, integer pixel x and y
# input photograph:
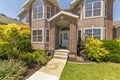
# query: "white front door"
{"type": "Point", "coordinates": [65, 38]}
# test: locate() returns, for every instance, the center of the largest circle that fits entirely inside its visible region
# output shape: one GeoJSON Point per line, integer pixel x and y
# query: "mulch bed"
{"type": "Point", "coordinates": [31, 69]}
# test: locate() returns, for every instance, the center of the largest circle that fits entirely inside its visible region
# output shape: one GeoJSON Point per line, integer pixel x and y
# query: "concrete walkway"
{"type": "Point", "coordinates": [53, 70]}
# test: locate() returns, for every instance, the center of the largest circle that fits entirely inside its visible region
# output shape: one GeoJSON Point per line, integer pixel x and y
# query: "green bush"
{"type": "Point", "coordinates": [95, 50]}
{"type": "Point", "coordinates": [113, 46]}
{"type": "Point", "coordinates": [39, 57]}
{"type": "Point", "coordinates": [24, 45]}
{"type": "Point", "coordinates": [113, 58]}
{"type": "Point", "coordinates": [11, 70]}
{"type": "Point", "coordinates": [40, 52]}
{"type": "Point", "coordinates": [14, 53]}
{"type": "Point", "coordinates": [68, 47]}
{"type": "Point", "coordinates": [27, 57]}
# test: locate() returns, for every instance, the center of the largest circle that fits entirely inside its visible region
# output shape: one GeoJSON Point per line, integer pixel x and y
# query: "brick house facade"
{"type": "Point", "coordinates": [53, 28]}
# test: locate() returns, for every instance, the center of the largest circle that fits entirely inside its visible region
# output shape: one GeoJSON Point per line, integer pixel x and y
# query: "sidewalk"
{"type": "Point", "coordinates": [53, 70]}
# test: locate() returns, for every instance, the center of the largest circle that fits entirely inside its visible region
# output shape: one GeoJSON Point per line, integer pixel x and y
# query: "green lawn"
{"type": "Point", "coordinates": [100, 71]}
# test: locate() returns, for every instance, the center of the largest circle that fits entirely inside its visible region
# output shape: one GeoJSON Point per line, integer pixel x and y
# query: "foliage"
{"type": "Point", "coordinates": [113, 46]}
{"type": "Point", "coordinates": [39, 57]}
{"type": "Point", "coordinates": [68, 47]}
{"type": "Point", "coordinates": [94, 49]}
{"type": "Point", "coordinates": [11, 70]}
{"type": "Point", "coordinates": [10, 36]}
{"type": "Point", "coordinates": [24, 45]}
{"type": "Point", "coordinates": [27, 57]}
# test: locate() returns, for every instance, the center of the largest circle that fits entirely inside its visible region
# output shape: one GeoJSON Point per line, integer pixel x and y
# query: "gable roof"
{"type": "Point", "coordinates": [6, 20]}
{"type": "Point", "coordinates": [116, 24]}
{"type": "Point", "coordinates": [29, 2]}
{"type": "Point", "coordinates": [66, 13]}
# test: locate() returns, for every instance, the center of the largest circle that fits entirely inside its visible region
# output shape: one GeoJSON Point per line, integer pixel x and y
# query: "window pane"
{"type": "Point", "coordinates": [34, 10]}
{"type": "Point", "coordinates": [79, 13]}
{"type": "Point", "coordinates": [97, 12]}
{"type": "Point", "coordinates": [97, 5]}
{"type": "Point", "coordinates": [88, 13]}
{"type": "Point", "coordinates": [34, 16]}
{"type": "Point", "coordinates": [39, 38]}
{"type": "Point", "coordinates": [34, 38]}
{"type": "Point", "coordinates": [34, 32]}
{"type": "Point", "coordinates": [47, 32]}
{"type": "Point", "coordinates": [40, 32]}
{"type": "Point", "coordinates": [40, 15]}
{"type": "Point", "coordinates": [40, 9]}
{"type": "Point", "coordinates": [89, 1]}
{"type": "Point", "coordinates": [47, 38]}
{"type": "Point", "coordinates": [88, 32]}
{"type": "Point", "coordinates": [88, 7]}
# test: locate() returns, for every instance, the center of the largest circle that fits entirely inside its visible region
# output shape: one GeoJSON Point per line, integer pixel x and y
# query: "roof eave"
{"type": "Point", "coordinates": [63, 12]}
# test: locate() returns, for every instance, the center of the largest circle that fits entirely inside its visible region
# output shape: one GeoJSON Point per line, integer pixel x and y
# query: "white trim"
{"type": "Point", "coordinates": [95, 28]}
{"type": "Point", "coordinates": [63, 12]}
{"type": "Point", "coordinates": [42, 35]}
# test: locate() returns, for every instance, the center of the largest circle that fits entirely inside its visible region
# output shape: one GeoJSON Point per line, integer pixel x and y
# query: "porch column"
{"type": "Point", "coordinates": [52, 36]}
{"type": "Point", "coordinates": [73, 38]}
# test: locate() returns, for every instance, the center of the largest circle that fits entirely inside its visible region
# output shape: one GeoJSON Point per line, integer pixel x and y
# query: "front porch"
{"type": "Point", "coordinates": [63, 31]}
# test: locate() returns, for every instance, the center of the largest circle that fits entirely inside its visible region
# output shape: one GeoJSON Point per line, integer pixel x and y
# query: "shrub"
{"type": "Point", "coordinates": [11, 70]}
{"type": "Point", "coordinates": [42, 52]}
{"type": "Point", "coordinates": [24, 45]}
{"type": "Point", "coordinates": [39, 57]}
{"type": "Point", "coordinates": [27, 57]}
{"type": "Point", "coordinates": [113, 58]}
{"type": "Point", "coordinates": [68, 47]}
{"type": "Point", "coordinates": [94, 49]}
{"type": "Point", "coordinates": [113, 46]}
{"type": "Point", "coordinates": [14, 53]}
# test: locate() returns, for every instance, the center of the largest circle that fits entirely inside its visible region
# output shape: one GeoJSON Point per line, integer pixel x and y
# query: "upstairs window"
{"type": "Point", "coordinates": [27, 18]}
{"type": "Point", "coordinates": [92, 8]}
{"type": "Point", "coordinates": [38, 9]}
{"type": "Point", "coordinates": [48, 12]}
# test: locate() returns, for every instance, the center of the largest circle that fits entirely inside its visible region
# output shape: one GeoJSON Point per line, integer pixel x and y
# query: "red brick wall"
{"type": "Point", "coordinates": [109, 19]}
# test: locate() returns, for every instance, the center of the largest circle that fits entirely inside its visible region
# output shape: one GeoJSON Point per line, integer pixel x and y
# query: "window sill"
{"type": "Point", "coordinates": [37, 42]}
{"type": "Point", "coordinates": [93, 17]}
{"type": "Point", "coordinates": [37, 19]}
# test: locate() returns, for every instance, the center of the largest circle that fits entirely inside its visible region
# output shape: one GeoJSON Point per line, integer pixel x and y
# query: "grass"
{"type": "Point", "coordinates": [100, 71]}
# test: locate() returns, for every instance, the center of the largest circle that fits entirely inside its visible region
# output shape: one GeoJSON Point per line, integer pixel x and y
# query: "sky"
{"type": "Point", "coordinates": [12, 7]}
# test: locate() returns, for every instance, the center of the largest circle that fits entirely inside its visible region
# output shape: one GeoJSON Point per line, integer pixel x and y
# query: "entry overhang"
{"type": "Point", "coordinates": [65, 13]}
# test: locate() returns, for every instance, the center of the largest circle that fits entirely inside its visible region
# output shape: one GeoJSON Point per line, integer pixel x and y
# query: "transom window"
{"type": "Point", "coordinates": [92, 8]}
{"type": "Point", "coordinates": [48, 14]}
{"type": "Point", "coordinates": [96, 33]}
{"type": "Point", "coordinates": [38, 9]}
{"type": "Point", "coordinates": [37, 35]}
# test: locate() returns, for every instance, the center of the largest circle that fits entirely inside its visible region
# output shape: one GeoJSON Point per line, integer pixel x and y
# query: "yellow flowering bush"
{"type": "Point", "coordinates": [11, 35]}
{"type": "Point", "coordinates": [94, 49]}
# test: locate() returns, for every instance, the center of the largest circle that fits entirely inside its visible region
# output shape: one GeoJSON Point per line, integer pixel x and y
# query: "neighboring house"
{"type": "Point", "coordinates": [52, 27]}
{"type": "Point", "coordinates": [6, 20]}
{"type": "Point", "coordinates": [116, 26]}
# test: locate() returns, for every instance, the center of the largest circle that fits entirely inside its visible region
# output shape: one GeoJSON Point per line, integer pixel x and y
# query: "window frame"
{"type": "Point", "coordinates": [101, 9]}
{"type": "Point", "coordinates": [47, 11]}
{"type": "Point", "coordinates": [37, 10]}
{"type": "Point", "coordinates": [38, 35]}
{"type": "Point", "coordinates": [80, 9]}
{"type": "Point", "coordinates": [101, 28]}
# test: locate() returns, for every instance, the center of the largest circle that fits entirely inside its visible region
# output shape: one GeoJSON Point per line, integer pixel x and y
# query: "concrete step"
{"type": "Point", "coordinates": [61, 53]}
{"type": "Point", "coordinates": [62, 50]}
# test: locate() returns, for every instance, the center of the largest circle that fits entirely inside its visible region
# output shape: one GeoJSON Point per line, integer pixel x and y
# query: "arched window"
{"type": "Point", "coordinates": [38, 9]}
{"type": "Point", "coordinates": [92, 8]}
